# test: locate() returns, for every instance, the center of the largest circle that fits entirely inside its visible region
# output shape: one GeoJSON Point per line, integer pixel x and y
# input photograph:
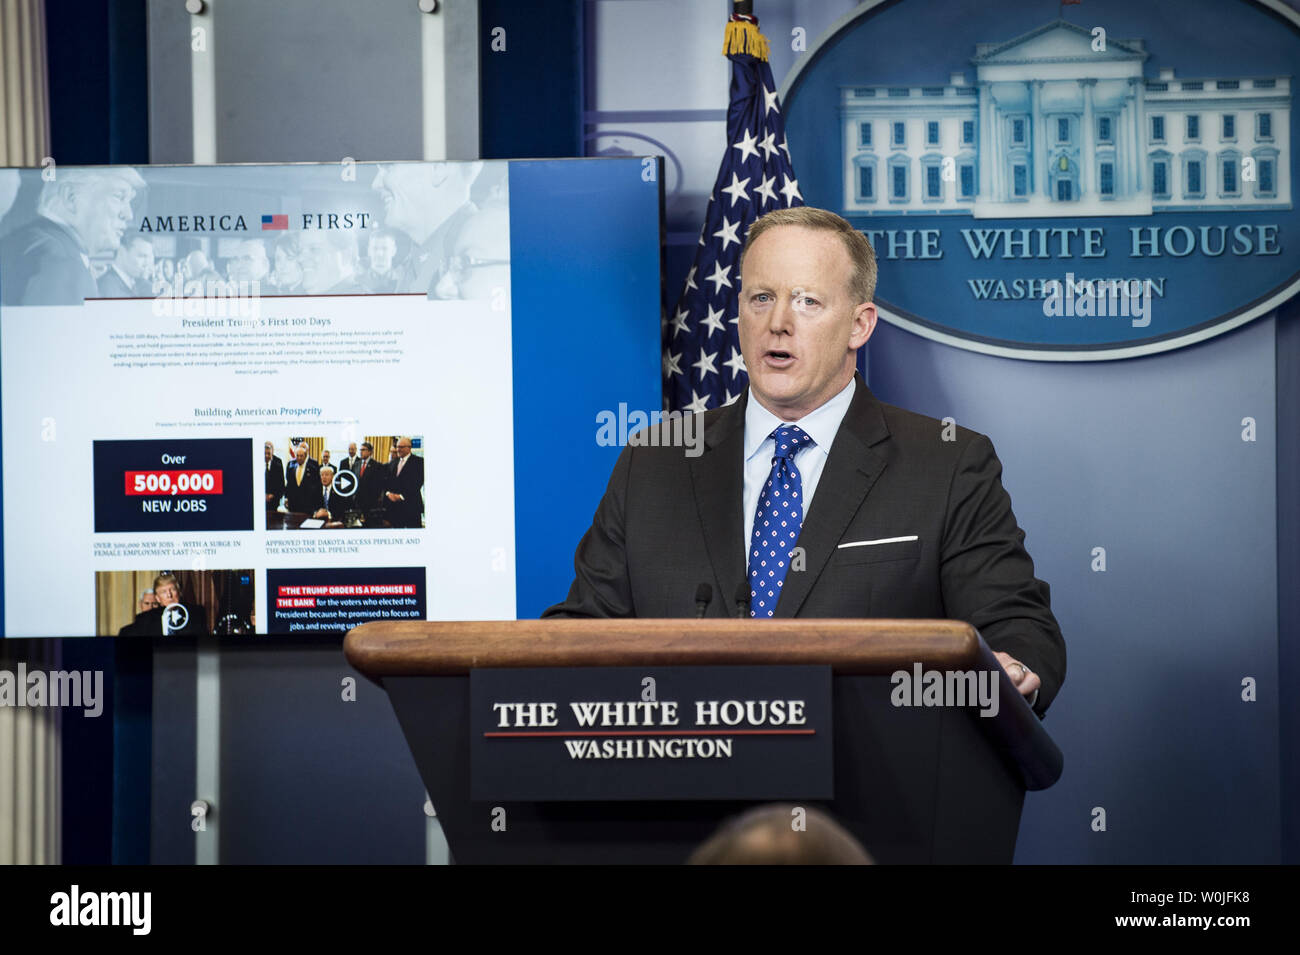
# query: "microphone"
{"type": "Point", "coordinates": [703, 594]}
{"type": "Point", "coordinates": [742, 600]}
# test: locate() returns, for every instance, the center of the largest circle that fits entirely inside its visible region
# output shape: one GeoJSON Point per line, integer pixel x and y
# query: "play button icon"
{"type": "Point", "coordinates": [345, 484]}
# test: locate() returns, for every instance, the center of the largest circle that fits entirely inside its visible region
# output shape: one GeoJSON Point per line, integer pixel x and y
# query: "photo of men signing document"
{"type": "Point", "coordinates": [329, 484]}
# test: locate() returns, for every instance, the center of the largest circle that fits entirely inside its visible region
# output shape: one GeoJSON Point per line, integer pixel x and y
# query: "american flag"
{"type": "Point", "coordinates": [703, 367]}
{"type": "Point", "coordinates": [275, 222]}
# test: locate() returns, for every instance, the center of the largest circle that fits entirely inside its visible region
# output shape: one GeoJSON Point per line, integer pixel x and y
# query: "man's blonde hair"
{"type": "Point", "coordinates": [166, 579]}
{"type": "Point", "coordinates": [863, 257]}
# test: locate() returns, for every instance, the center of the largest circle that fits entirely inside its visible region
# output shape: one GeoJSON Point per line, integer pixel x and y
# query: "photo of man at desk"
{"type": "Point", "coordinates": [360, 492]}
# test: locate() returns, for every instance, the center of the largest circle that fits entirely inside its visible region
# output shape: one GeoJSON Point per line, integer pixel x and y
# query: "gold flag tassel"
{"type": "Point", "coordinates": [743, 37]}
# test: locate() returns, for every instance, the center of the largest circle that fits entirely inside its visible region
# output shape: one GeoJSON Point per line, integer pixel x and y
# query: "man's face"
{"type": "Point", "coordinates": [365, 453]}
{"type": "Point", "coordinates": [287, 272]}
{"type": "Point", "coordinates": [418, 197]}
{"type": "Point", "coordinates": [480, 264]}
{"type": "Point", "coordinates": [352, 450]}
{"type": "Point", "coordinates": [324, 458]}
{"type": "Point", "coordinates": [799, 323]}
{"type": "Point", "coordinates": [403, 448]}
{"type": "Point", "coordinates": [168, 593]}
{"type": "Point", "coordinates": [380, 251]}
{"type": "Point", "coordinates": [249, 263]}
{"type": "Point", "coordinates": [148, 601]}
{"type": "Point", "coordinates": [320, 262]}
{"type": "Point", "coordinates": [270, 452]}
{"type": "Point", "coordinates": [100, 213]}
{"type": "Point", "coordinates": [327, 478]}
{"type": "Point", "coordinates": [137, 260]}
{"type": "Point", "coordinates": [301, 455]}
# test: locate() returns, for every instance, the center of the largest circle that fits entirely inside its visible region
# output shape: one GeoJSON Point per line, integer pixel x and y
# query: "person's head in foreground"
{"type": "Point", "coordinates": [781, 835]}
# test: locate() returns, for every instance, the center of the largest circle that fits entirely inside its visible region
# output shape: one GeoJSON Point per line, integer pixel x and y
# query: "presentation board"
{"type": "Point", "coordinates": [283, 399]}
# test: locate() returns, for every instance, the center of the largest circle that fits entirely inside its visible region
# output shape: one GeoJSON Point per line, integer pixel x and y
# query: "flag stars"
{"type": "Point", "coordinates": [770, 102]}
{"type": "Point", "coordinates": [705, 364]}
{"type": "Point", "coordinates": [768, 145]}
{"type": "Point", "coordinates": [713, 321]}
{"type": "Point", "coordinates": [719, 277]}
{"type": "Point", "coordinates": [672, 364]}
{"type": "Point", "coordinates": [791, 191]}
{"type": "Point", "coordinates": [698, 403]}
{"type": "Point", "coordinates": [746, 145]}
{"type": "Point", "coordinates": [728, 232]}
{"type": "Point", "coordinates": [738, 189]}
{"type": "Point", "coordinates": [679, 322]}
{"type": "Point", "coordinates": [736, 363]}
{"type": "Point", "coordinates": [765, 189]}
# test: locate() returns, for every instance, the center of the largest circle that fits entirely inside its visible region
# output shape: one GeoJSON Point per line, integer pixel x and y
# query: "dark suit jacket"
{"type": "Point", "coordinates": [275, 480]}
{"type": "Point", "coordinates": [370, 485]}
{"type": "Point", "coordinates": [409, 484]}
{"type": "Point", "coordinates": [338, 505]}
{"type": "Point", "coordinates": [149, 623]}
{"type": "Point", "coordinates": [306, 497]}
{"type": "Point", "coordinates": [43, 266]}
{"type": "Point", "coordinates": [112, 285]}
{"type": "Point", "coordinates": [669, 522]}
{"type": "Point", "coordinates": [350, 464]}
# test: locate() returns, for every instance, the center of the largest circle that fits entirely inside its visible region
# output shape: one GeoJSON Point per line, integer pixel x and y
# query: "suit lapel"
{"type": "Point", "coordinates": [719, 481]}
{"type": "Point", "coordinates": [852, 467]}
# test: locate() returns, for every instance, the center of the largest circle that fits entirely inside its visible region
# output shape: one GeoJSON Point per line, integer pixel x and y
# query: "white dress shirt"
{"type": "Point", "coordinates": [821, 425]}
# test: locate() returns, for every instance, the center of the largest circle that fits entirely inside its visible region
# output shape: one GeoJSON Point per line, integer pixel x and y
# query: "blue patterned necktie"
{"type": "Point", "coordinates": [776, 523]}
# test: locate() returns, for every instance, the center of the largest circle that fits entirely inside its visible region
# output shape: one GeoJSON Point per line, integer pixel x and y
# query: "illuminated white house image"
{"type": "Point", "coordinates": [1053, 127]}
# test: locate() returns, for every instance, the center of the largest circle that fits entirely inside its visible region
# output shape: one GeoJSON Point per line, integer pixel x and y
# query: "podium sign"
{"type": "Point", "coordinates": [627, 733]}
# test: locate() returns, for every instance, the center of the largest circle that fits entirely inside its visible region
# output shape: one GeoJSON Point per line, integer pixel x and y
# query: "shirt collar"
{"type": "Point", "coordinates": [821, 424]}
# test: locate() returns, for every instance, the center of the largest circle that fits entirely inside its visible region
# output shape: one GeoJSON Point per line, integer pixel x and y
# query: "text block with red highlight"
{"type": "Point", "coordinates": [335, 600]}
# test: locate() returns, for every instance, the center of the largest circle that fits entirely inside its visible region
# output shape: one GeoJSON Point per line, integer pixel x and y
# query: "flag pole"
{"type": "Point", "coordinates": [742, 34]}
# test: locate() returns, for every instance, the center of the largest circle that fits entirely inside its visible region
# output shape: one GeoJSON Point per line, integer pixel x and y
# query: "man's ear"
{"type": "Point", "coordinates": [864, 323]}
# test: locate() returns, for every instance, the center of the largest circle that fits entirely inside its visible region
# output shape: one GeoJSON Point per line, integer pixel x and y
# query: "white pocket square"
{"type": "Point", "coordinates": [883, 540]}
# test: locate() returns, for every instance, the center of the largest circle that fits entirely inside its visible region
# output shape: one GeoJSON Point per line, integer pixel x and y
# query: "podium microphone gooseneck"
{"type": "Point", "coordinates": [742, 600]}
{"type": "Point", "coordinates": [703, 594]}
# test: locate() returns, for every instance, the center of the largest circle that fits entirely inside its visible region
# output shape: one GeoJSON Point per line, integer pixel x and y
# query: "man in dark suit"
{"type": "Point", "coordinates": [274, 478]}
{"type": "Point", "coordinates": [80, 213]}
{"type": "Point", "coordinates": [333, 507]}
{"type": "Point", "coordinates": [171, 616]}
{"type": "Point", "coordinates": [146, 601]}
{"type": "Point", "coordinates": [904, 516]}
{"type": "Point", "coordinates": [351, 461]}
{"type": "Point", "coordinates": [430, 203]}
{"type": "Point", "coordinates": [129, 275]}
{"type": "Point", "coordinates": [371, 480]}
{"type": "Point", "coordinates": [302, 484]}
{"type": "Point", "coordinates": [405, 487]}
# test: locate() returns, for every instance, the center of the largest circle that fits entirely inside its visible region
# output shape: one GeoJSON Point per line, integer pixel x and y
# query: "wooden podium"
{"type": "Point", "coordinates": [915, 784]}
